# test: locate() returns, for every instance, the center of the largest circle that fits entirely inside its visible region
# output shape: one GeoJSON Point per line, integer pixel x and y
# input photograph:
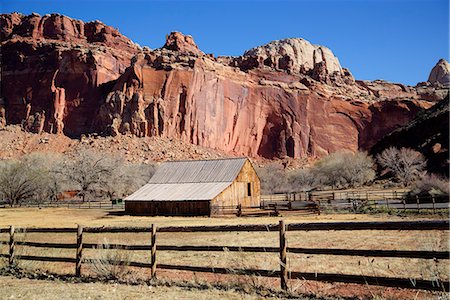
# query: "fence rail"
{"type": "Point", "coordinates": [283, 250]}
{"type": "Point", "coordinates": [67, 204]}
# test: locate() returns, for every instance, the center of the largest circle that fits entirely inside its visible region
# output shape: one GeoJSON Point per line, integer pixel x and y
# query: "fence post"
{"type": "Point", "coordinates": [11, 245]}
{"type": "Point", "coordinates": [239, 210]}
{"type": "Point", "coordinates": [153, 261]}
{"type": "Point", "coordinates": [404, 205]}
{"type": "Point", "coordinates": [79, 254]}
{"type": "Point", "coordinates": [283, 260]}
{"type": "Point", "coordinates": [434, 203]}
{"type": "Point", "coordinates": [418, 203]}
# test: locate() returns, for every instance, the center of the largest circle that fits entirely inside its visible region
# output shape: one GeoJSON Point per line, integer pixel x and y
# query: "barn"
{"type": "Point", "coordinates": [197, 188]}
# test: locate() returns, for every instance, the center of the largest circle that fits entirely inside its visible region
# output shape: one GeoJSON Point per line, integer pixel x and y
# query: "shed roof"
{"type": "Point", "coordinates": [191, 171]}
{"type": "Point", "coordinates": [190, 180]}
{"type": "Point", "coordinates": [179, 192]}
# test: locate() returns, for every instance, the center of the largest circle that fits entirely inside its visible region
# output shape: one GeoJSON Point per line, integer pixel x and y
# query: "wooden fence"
{"type": "Point", "coordinates": [331, 201]}
{"type": "Point", "coordinates": [283, 250]}
{"type": "Point", "coordinates": [72, 204]}
{"type": "Point", "coordinates": [333, 195]}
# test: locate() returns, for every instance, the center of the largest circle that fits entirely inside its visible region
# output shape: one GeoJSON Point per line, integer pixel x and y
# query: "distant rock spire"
{"type": "Point", "coordinates": [440, 74]}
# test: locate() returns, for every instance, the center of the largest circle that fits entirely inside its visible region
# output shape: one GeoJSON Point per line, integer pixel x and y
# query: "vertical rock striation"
{"type": "Point", "coordinates": [288, 98]}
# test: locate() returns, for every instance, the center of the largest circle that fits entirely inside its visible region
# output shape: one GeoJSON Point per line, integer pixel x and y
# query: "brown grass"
{"type": "Point", "coordinates": [394, 267]}
{"type": "Point", "coordinates": [13, 288]}
{"type": "Point", "coordinates": [63, 217]}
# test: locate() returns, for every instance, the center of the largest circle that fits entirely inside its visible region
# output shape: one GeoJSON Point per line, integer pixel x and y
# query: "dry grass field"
{"type": "Point", "coordinates": [13, 288]}
{"type": "Point", "coordinates": [387, 240]}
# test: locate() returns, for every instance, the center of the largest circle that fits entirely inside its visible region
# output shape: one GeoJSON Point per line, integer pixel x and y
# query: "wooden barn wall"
{"type": "Point", "coordinates": [236, 193]}
{"type": "Point", "coordinates": [168, 208]}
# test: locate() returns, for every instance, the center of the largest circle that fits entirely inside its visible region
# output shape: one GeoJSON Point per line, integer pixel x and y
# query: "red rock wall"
{"type": "Point", "coordinates": [218, 107]}
{"type": "Point", "coordinates": [64, 76]}
{"type": "Point", "coordinates": [53, 68]}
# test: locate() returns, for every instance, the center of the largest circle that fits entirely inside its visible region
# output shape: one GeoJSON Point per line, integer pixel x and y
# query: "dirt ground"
{"type": "Point", "coordinates": [390, 267]}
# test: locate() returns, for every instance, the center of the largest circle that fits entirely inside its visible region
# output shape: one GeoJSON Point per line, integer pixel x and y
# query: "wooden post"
{"type": "Point", "coordinates": [11, 246]}
{"type": "Point", "coordinates": [318, 207]}
{"type": "Point", "coordinates": [434, 202]}
{"type": "Point", "coordinates": [404, 205]}
{"type": "Point", "coordinates": [79, 254]}
{"type": "Point", "coordinates": [239, 210]}
{"type": "Point", "coordinates": [418, 203]}
{"type": "Point", "coordinates": [283, 260]}
{"type": "Point", "coordinates": [153, 258]}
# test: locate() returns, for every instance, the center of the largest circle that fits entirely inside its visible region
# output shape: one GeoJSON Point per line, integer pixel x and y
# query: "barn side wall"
{"type": "Point", "coordinates": [237, 192]}
{"type": "Point", "coordinates": [168, 208]}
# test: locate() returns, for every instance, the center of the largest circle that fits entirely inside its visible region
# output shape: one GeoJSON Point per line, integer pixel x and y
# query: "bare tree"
{"type": "Point", "coordinates": [344, 169]}
{"type": "Point", "coordinates": [18, 182]}
{"type": "Point", "coordinates": [87, 171]}
{"type": "Point", "coordinates": [46, 165]}
{"type": "Point", "coordinates": [126, 178]}
{"type": "Point", "coordinates": [302, 180]}
{"type": "Point", "coordinates": [273, 179]}
{"type": "Point", "coordinates": [405, 164]}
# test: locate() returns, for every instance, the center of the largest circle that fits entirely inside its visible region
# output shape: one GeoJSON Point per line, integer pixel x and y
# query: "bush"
{"type": "Point", "coordinates": [110, 263]}
{"type": "Point", "coordinates": [431, 185]}
{"type": "Point", "coordinates": [405, 164]}
{"type": "Point", "coordinates": [344, 169]}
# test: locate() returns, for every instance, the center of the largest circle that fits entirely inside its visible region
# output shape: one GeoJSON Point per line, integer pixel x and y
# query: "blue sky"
{"type": "Point", "coordinates": [394, 40]}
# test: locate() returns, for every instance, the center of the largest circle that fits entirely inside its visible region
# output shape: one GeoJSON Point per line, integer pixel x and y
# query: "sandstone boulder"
{"type": "Point", "coordinates": [294, 55]}
{"type": "Point", "coordinates": [440, 74]}
{"type": "Point", "coordinates": [177, 41]}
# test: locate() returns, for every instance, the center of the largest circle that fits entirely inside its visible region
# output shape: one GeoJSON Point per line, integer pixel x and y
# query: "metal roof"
{"type": "Point", "coordinates": [191, 171]}
{"type": "Point", "coordinates": [179, 191]}
{"type": "Point", "coordinates": [190, 180]}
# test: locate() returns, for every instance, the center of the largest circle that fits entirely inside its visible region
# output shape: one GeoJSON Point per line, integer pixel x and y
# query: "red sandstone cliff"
{"type": "Point", "coordinates": [286, 98]}
{"type": "Point", "coordinates": [289, 98]}
{"type": "Point", "coordinates": [53, 67]}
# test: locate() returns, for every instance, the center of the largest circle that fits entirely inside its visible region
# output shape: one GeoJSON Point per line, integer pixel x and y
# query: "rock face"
{"type": "Point", "coordinates": [427, 133]}
{"type": "Point", "coordinates": [255, 109]}
{"type": "Point", "coordinates": [53, 69]}
{"type": "Point", "coordinates": [287, 98]}
{"type": "Point", "coordinates": [294, 55]}
{"type": "Point", "coordinates": [176, 41]}
{"type": "Point", "coordinates": [440, 74]}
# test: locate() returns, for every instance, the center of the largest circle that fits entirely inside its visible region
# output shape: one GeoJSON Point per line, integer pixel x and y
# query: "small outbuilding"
{"type": "Point", "coordinates": [197, 188]}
